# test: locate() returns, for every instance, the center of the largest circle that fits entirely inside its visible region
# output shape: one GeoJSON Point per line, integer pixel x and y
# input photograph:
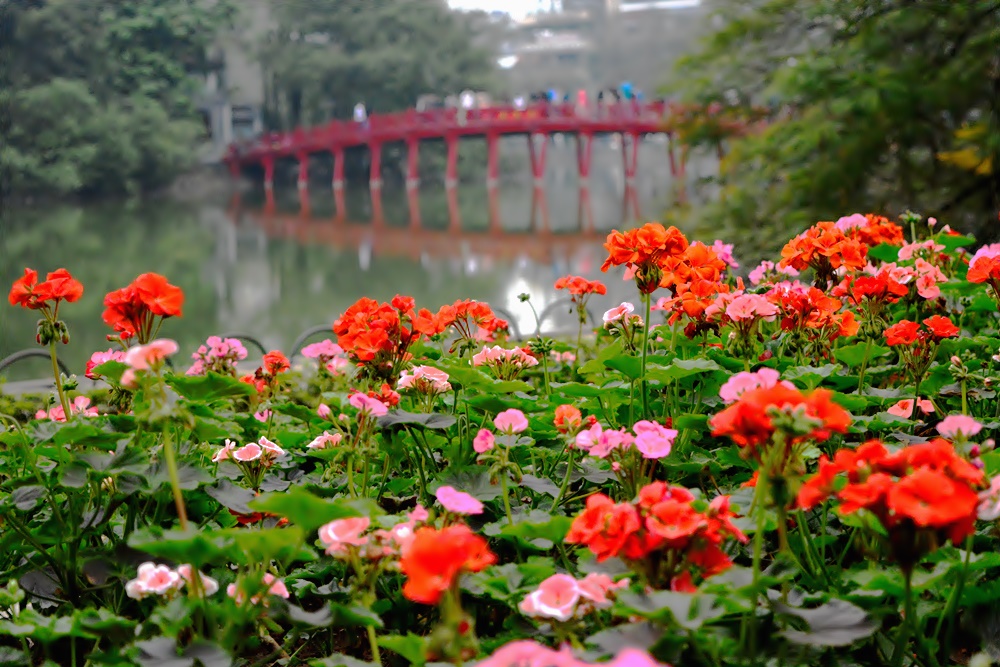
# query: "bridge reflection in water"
{"type": "Point", "coordinates": [415, 239]}
{"type": "Point", "coordinates": [458, 255]}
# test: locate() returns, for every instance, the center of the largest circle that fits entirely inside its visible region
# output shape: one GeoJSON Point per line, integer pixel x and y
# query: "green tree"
{"type": "Point", "coordinates": [97, 97]}
{"type": "Point", "coordinates": [324, 56]}
{"type": "Point", "coordinates": [876, 101]}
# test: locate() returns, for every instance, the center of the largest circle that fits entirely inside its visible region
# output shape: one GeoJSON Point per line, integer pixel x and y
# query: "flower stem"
{"type": "Point", "coordinates": [175, 479]}
{"type": "Point", "coordinates": [63, 401]}
{"type": "Point", "coordinates": [903, 631]}
{"type": "Point", "coordinates": [956, 594]}
{"type": "Point", "coordinates": [506, 498]}
{"type": "Point", "coordinates": [864, 365]}
{"type": "Point", "coordinates": [565, 482]}
{"type": "Point", "coordinates": [373, 641]}
{"type": "Point", "coordinates": [645, 350]}
{"type": "Point", "coordinates": [965, 397]}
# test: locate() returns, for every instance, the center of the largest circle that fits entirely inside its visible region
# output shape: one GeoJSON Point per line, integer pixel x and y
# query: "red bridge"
{"type": "Point", "coordinates": [538, 123]}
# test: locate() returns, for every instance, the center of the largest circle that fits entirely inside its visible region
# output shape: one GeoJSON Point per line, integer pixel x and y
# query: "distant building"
{"type": "Point", "coordinates": [233, 97]}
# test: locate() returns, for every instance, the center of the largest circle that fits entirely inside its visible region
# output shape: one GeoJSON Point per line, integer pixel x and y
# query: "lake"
{"type": "Point", "coordinates": [274, 272]}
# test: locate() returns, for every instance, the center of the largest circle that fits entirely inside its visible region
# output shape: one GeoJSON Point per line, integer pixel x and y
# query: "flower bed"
{"type": "Point", "coordinates": [726, 473]}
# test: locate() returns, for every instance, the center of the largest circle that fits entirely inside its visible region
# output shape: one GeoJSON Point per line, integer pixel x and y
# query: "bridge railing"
{"type": "Point", "coordinates": [348, 133]}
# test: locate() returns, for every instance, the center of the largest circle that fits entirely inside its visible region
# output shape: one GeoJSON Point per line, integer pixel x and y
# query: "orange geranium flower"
{"type": "Point", "coordinates": [59, 285]}
{"type": "Point", "coordinates": [750, 422]}
{"type": "Point", "coordinates": [377, 336]}
{"type": "Point", "coordinates": [902, 333]}
{"type": "Point", "coordinates": [824, 248]}
{"type": "Point", "coordinates": [568, 419]}
{"type": "Point", "coordinates": [666, 520]}
{"type": "Point", "coordinates": [698, 263]}
{"type": "Point", "coordinates": [645, 251]}
{"type": "Point", "coordinates": [434, 558]}
{"type": "Point", "coordinates": [879, 229]}
{"type": "Point", "coordinates": [132, 310]}
{"type": "Point", "coordinates": [922, 495]}
{"type": "Point", "coordinates": [579, 286]}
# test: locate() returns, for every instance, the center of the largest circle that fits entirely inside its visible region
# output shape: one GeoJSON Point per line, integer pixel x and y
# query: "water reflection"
{"type": "Point", "coordinates": [272, 268]}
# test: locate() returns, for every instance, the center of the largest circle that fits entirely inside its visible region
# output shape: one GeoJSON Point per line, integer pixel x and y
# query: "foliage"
{"type": "Point", "coordinates": [878, 104]}
{"type": "Point", "coordinates": [98, 97]}
{"type": "Point", "coordinates": [326, 53]}
{"type": "Point", "coordinates": [736, 477]}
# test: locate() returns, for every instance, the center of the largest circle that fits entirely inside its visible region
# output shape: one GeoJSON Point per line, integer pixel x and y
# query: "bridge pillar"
{"type": "Point", "coordinates": [492, 160]}
{"type": "Point", "coordinates": [585, 211]}
{"type": "Point", "coordinates": [630, 155]}
{"type": "Point", "coordinates": [539, 210]}
{"type": "Point", "coordinates": [451, 171]}
{"type": "Point", "coordinates": [412, 164]}
{"type": "Point", "coordinates": [268, 163]}
{"type": "Point", "coordinates": [496, 225]}
{"type": "Point", "coordinates": [305, 209]}
{"type": "Point", "coordinates": [338, 168]}
{"type": "Point", "coordinates": [303, 159]}
{"type": "Point", "coordinates": [584, 151]}
{"type": "Point", "coordinates": [375, 175]}
{"type": "Point", "coordinates": [454, 213]}
{"type": "Point", "coordinates": [537, 146]}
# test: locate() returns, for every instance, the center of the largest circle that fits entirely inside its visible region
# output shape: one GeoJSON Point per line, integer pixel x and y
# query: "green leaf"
{"type": "Point", "coordinates": [884, 252]}
{"type": "Point", "coordinates": [577, 389]}
{"type": "Point", "coordinates": [811, 376]}
{"type": "Point", "coordinates": [304, 509]}
{"type": "Point", "coordinates": [853, 356]}
{"type": "Point", "coordinates": [474, 481]}
{"type": "Point", "coordinates": [27, 497]}
{"type": "Point", "coordinates": [540, 485]}
{"type": "Point", "coordinates": [689, 611]}
{"type": "Point", "coordinates": [836, 623]}
{"type": "Point", "coordinates": [210, 387]}
{"type": "Point", "coordinates": [85, 433]}
{"type": "Point", "coordinates": [412, 647]}
{"type": "Point", "coordinates": [539, 529]}
{"type": "Point", "coordinates": [952, 243]}
{"type": "Point", "coordinates": [681, 368]}
{"type": "Point", "coordinates": [432, 420]}
{"type": "Point", "coordinates": [629, 366]}
{"type": "Point", "coordinates": [112, 370]}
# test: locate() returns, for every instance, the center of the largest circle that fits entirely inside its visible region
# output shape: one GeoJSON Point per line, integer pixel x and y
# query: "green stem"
{"type": "Point", "coordinates": [565, 482]}
{"type": "Point", "coordinates": [63, 401]}
{"type": "Point", "coordinates": [864, 365]}
{"type": "Point", "coordinates": [965, 397]}
{"type": "Point", "coordinates": [758, 550]}
{"type": "Point", "coordinates": [373, 641]}
{"type": "Point", "coordinates": [545, 374]}
{"type": "Point", "coordinates": [175, 480]}
{"type": "Point", "coordinates": [905, 626]}
{"type": "Point", "coordinates": [506, 498]}
{"type": "Point", "coordinates": [350, 476]}
{"type": "Point", "coordinates": [916, 399]}
{"type": "Point", "coordinates": [956, 594]}
{"type": "Point", "coordinates": [645, 349]}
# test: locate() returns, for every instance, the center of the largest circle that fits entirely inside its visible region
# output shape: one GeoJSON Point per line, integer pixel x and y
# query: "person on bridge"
{"type": "Point", "coordinates": [581, 101]}
{"type": "Point", "coordinates": [360, 113]}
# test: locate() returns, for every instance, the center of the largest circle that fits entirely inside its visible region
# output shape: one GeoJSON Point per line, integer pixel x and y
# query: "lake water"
{"type": "Point", "coordinates": [275, 272]}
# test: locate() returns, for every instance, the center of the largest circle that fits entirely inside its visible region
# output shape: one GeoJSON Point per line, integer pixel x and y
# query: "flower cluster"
{"type": "Point", "coordinates": [528, 652]}
{"type": "Point", "coordinates": [562, 597]}
{"type": "Point", "coordinates": [765, 378]}
{"type": "Point", "coordinates": [922, 495]}
{"type": "Point", "coordinates": [162, 581]}
{"type": "Point", "coordinates": [472, 321]}
{"type": "Point", "coordinates": [217, 355]}
{"type": "Point", "coordinates": [824, 248]}
{"type": "Point", "coordinates": [425, 380]}
{"type": "Point", "coordinates": [329, 356]}
{"type": "Point", "coordinates": [58, 286]}
{"type": "Point", "coordinates": [80, 406]}
{"type": "Point", "coordinates": [267, 377]}
{"type": "Point", "coordinates": [984, 267]}
{"type": "Point", "coordinates": [767, 272]}
{"type": "Point", "coordinates": [377, 336]}
{"type": "Point", "coordinates": [666, 520]}
{"type": "Point", "coordinates": [132, 311]}
{"type": "Point", "coordinates": [148, 358]}
{"type": "Point", "coordinates": [435, 557]}
{"type": "Point", "coordinates": [645, 252]}
{"type": "Point", "coordinates": [253, 458]}
{"type": "Point", "coordinates": [503, 363]}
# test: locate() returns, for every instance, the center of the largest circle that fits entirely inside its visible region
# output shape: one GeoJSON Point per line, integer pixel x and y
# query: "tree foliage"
{"type": "Point", "coordinates": [882, 104]}
{"type": "Point", "coordinates": [324, 56]}
{"type": "Point", "coordinates": [97, 96]}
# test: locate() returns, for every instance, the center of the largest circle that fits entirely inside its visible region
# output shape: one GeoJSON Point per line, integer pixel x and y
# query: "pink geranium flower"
{"type": "Point", "coordinates": [368, 405]}
{"type": "Point", "coordinates": [484, 441]}
{"type": "Point", "coordinates": [144, 357]}
{"type": "Point", "coordinates": [325, 441]}
{"type": "Point", "coordinates": [274, 586]}
{"type": "Point", "coordinates": [618, 312]}
{"type": "Point", "coordinates": [556, 598]}
{"type": "Point", "coordinates": [653, 440]}
{"type": "Point", "coordinates": [955, 426]}
{"type": "Point", "coordinates": [209, 586]}
{"type": "Point", "coordinates": [98, 358]}
{"type": "Point", "coordinates": [457, 501]}
{"type": "Point", "coordinates": [904, 408]}
{"type": "Point", "coordinates": [765, 378]}
{"type": "Point", "coordinates": [511, 421]}
{"type": "Point", "coordinates": [337, 536]}
{"type": "Point", "coordinates": [153, 579]}
{"type": "Point", "coordinates": [247, 453]}
{"type": "Point", "coordinates": [80, 406]}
